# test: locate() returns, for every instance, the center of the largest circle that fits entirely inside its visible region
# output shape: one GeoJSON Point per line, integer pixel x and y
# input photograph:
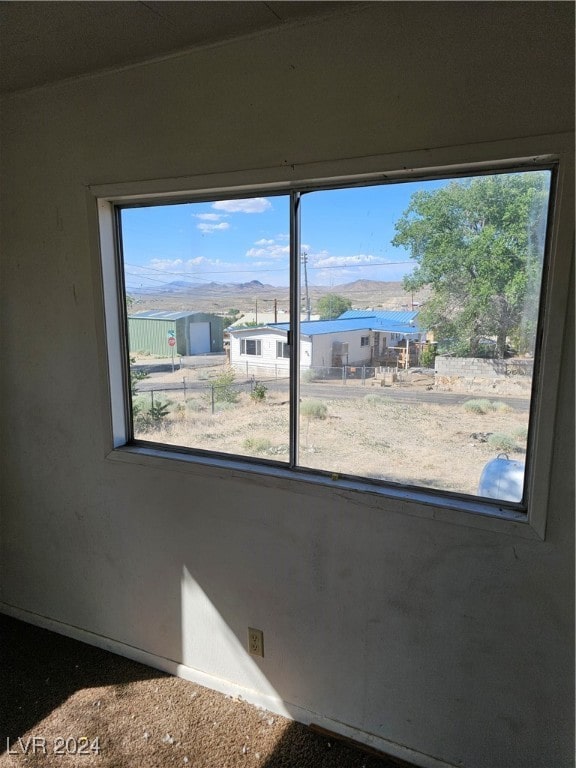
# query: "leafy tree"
{"type": "Point", "coordinates": [332, 305]}
{"type": "Point", "coordinates": [479, 244]}
{"type": "Point", "coordinates": [248, 324]}
{"type": "Point", "coordinates": [230, 317]}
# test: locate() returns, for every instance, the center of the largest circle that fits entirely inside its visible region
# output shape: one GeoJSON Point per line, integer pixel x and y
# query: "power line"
{"type": "Point", "coordinates": [258, 270]}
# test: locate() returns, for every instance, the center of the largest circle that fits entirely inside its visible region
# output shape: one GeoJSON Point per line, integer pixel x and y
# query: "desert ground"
{"type": "Point", "coordinates": [406, 433]}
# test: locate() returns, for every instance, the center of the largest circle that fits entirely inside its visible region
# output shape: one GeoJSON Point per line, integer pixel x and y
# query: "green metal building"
{"type": "Point", "coordinates": [196, 333]}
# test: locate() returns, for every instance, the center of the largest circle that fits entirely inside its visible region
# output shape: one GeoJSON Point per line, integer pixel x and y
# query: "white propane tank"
{"type": "Point", "coordinates": [502, 478]}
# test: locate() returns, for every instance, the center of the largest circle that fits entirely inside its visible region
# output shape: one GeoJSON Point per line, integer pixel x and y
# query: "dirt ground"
{"type": "Point", "coordinates": [367, 432]}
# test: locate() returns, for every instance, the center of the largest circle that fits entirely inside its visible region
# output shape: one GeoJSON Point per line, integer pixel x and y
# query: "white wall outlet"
{"type": "Point", "coordinates": [255, 641]}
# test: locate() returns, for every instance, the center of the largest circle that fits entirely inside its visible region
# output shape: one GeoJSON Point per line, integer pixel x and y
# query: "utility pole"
{"type": "Point", "coordinates": [305, 262]}
{"type": "Point", "coordinates": [275, 310]}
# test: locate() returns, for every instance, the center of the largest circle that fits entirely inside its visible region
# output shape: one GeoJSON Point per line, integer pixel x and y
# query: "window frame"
{"type": "Point", "coordinates": [257, 347]}
{"type": "Point", "coordinates": [284, 350]}
{"type": "Point", "coordinates": [555, 152]}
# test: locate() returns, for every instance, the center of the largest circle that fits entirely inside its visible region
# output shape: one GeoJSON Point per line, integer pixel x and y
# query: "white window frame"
{"type": "Point", "coordinates": [518, 154]}
{"type": "Point", "coordinates": [284, 350]}
{"type": "Point", "coordinates": [257, 346]}
{"type": "Point", "coordinates": [364, 341]}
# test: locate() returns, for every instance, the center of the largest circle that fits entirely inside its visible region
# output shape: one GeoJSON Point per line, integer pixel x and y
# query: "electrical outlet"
{"type": "Point", "coordinates": [255, 641]}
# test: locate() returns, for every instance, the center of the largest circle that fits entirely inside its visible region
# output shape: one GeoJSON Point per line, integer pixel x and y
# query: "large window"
{"type": "Point", "coordinates": [443, 274]}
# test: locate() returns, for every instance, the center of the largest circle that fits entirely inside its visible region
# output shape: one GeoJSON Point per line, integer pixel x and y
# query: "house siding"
{"type": "Point", "coordinates": [267, 363]}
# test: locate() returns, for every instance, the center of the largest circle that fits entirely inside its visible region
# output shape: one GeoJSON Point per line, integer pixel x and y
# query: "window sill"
{"type": "Point", "coordinates": [423, 503]}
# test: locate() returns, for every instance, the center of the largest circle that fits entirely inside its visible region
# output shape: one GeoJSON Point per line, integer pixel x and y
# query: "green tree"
{"type": "Point", "coordinates": [479, 245]}
{"type": "Point", "coordinates": [332, 305]}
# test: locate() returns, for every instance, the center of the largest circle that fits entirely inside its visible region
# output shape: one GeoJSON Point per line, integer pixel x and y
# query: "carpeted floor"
{"type": "Point", "coordinates": [65, 703]}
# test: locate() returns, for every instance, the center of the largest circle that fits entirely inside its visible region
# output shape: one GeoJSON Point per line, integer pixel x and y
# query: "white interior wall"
{"type": "Point", "coordinates": [451, 641]}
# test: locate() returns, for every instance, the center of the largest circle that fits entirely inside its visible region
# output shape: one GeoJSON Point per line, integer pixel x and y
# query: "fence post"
{"type": "Point", "coordinates": [212, 397]}
{"type": "Point", "coordinates": [363, 375]}
{"type": "Point", "coordinates": [184, 385]}
{"type": "Point", "coordinates": [152, 398]}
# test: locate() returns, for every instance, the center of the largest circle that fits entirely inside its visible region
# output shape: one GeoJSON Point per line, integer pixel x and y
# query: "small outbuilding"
{"type": "Point", "coordinates": [195, 333]}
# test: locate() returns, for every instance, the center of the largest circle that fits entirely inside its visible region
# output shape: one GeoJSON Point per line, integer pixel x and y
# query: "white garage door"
{"type": "Point", "coordinates": [199, 338]}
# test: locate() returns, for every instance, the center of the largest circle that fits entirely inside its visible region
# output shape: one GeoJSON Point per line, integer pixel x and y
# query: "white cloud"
{"type": "Point", "coordinates": [269, 250]}
{"type": "Point", "coordinates": [345, 261]}
{"type": "Point", "coordinates": [209, 228]}
{"type": "Point", "coordinates": [178, 266]}
{"type": "Point", "coordinates": [252, 205]}
{"type": "Point", "coordinates": [208, 216]}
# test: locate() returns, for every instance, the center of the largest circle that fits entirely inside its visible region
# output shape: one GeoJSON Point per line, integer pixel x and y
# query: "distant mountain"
{"type": "Point", "coordinates": [184, 286]}
{"type": "Point", "coordinates": [181, 295]}
{"type": "Point", "coordinates": [366, 285]}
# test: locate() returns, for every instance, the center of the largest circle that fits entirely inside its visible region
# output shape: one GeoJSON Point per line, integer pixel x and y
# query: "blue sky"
{"type": "Point", "coordinates": [345, 233]}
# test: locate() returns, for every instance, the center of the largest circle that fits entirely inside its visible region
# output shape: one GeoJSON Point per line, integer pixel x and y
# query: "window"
{"type": "Point", "coordinates": [448, 268]}
{"type": "Point", "coordinates": [250, 347]}
{"type": "Point", "coordinates": [282, 349]}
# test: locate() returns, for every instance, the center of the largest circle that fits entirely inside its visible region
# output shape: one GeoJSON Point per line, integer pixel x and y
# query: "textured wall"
{"type": "Point", "coordinates": [450, 639]}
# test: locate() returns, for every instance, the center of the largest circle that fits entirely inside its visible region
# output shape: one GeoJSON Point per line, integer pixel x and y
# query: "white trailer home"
{"type": "Point", "coordinates": [358, 337]}
{"type": "Point", "coordinates": [264, 351]}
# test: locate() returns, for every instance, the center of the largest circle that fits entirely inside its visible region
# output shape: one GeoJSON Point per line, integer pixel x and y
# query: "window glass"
{"type": "Point", "coordinates": [420, 353]}
{"type": "Point", "coordinates": [418, 308]}
{"type": "Point", "coordinates": [202, 281]}
{"type": "Point", "coordinates": [282, 349]}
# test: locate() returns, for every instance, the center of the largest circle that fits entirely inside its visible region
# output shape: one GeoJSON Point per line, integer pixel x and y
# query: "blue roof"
{"type": "Point", "coordinates": [366, 322]}
{"type": "Point", "coordinates": [383, 315]}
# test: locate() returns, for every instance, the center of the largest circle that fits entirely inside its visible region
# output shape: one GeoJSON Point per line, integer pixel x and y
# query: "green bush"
{"type": "Point", "coordinates": [308, 375]}
{"type": "Point", "coordinates": [313, 409]}
{"type": "Point", "coordinates": [135, 376]}
{"type": "Point", "coordinates": [427, 356]}
{"type": "Point", "coordinates": [223, 386]}
{"type": "Point", "coordinates": [139, 404]}
{"type": "Point", "coordinates": [485, 406]}
{"type": "Point", "coordinates": [257, 444]}
{"type": "Point", "coordinates": [258, 393]}
{"type": "Point", "coordinates": [148, 416]}
{"type": "Point", "coordinates": [158, 411]}
{"type": "Point", "coordinates": [501, 442]}
{"type": "Point", "coordinates": [521, 433]}
{"type": "Point", "coordinates": [478, 406]}
{"type": "Point", "coordinates": [500, 407]}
